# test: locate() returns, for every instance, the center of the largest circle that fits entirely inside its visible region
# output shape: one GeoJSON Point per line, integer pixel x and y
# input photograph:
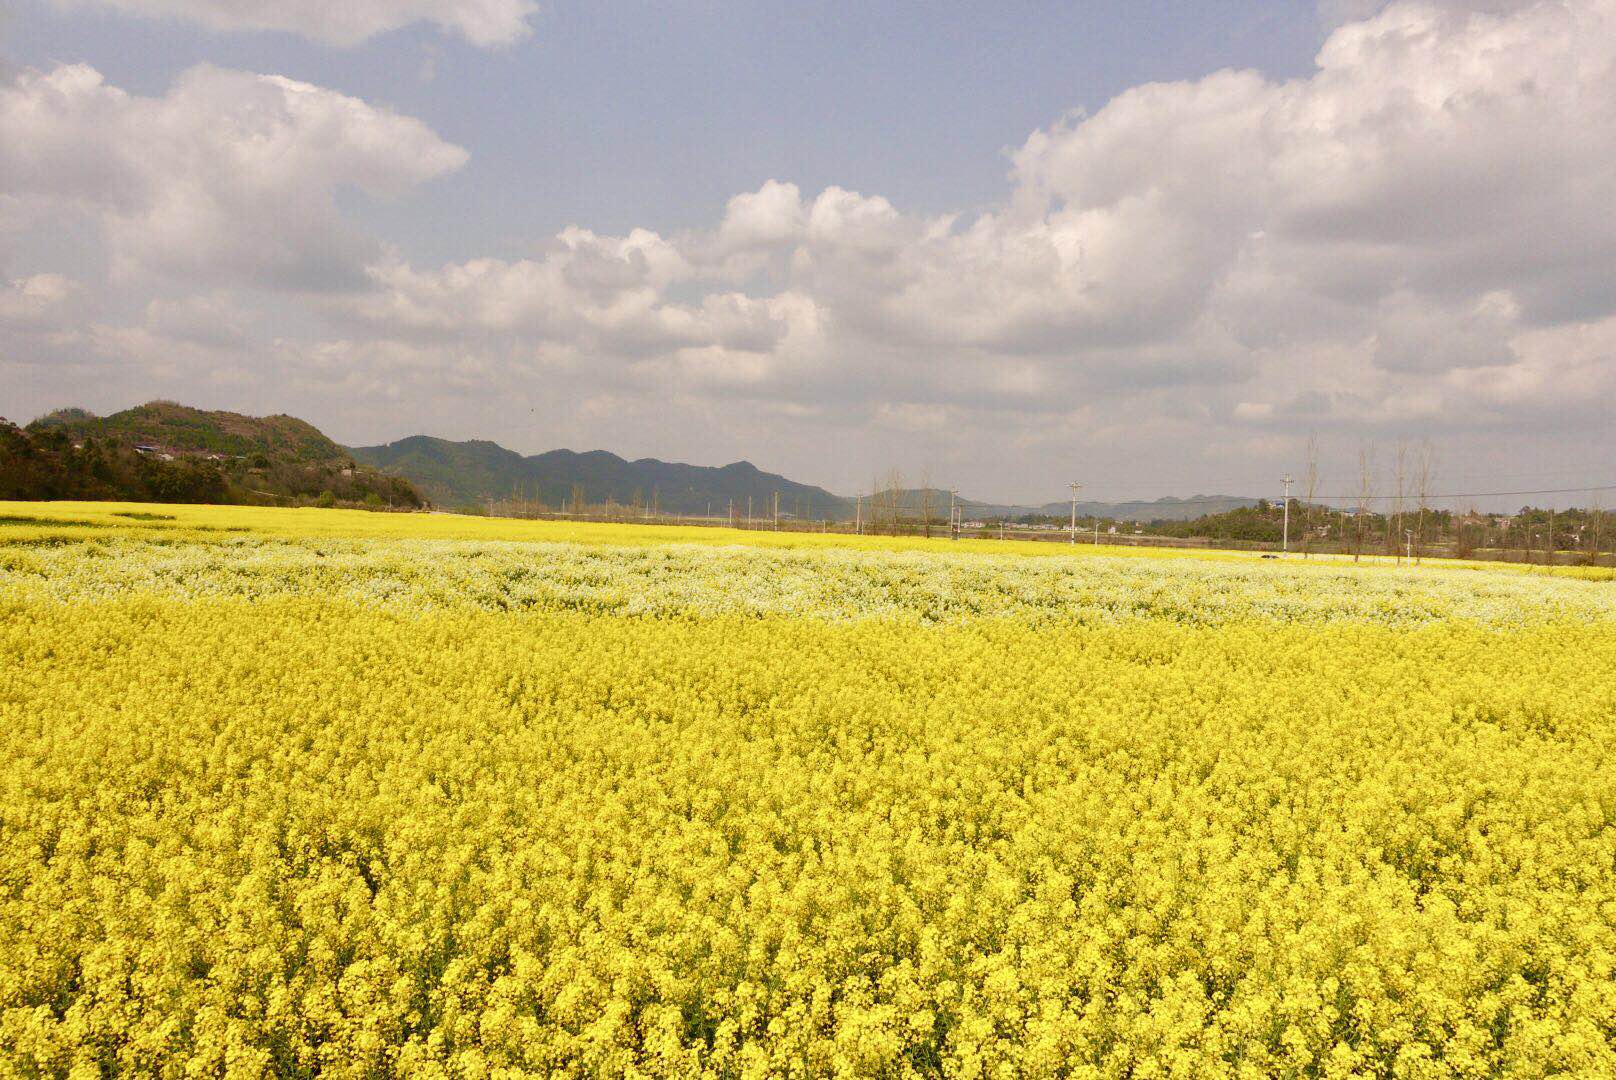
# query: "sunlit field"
{"type": "Point", "coordinates": [290, 792]}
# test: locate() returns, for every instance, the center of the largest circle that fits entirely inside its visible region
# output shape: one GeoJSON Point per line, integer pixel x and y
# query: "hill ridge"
{"type": "Point", "coordinates": [163, 451]}
{"type": "Point", "coordinates": [469, 472]}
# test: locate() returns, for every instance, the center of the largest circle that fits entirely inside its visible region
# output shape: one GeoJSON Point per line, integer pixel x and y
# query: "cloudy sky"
{"type": "Point", "coordinates": [1149, 246]}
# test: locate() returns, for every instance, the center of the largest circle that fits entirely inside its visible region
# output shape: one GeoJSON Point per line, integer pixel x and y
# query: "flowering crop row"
{"type": "Point", "coordinates": [458, 808]}
{"type": "Point", "coordinates": [701, 581]}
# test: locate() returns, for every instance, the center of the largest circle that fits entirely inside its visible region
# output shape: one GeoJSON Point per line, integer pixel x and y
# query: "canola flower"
{"type": "Point", "coordinates": [702, 580]}
{"type": "Point", "coordinates": [281, 804]}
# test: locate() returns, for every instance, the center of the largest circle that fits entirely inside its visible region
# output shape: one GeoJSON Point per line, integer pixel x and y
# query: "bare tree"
{"type": "Point", "coordinates": [1394, 533]}
{"type": "Point", "coordinates": [895, 498]}
{"type": "Point", "coordinates": [1596, 512]}
{"type": "Point", "coordinates": [925, 502]}
{"type": "Point", "coordinates": [886, 499]}
{"type": "Point", "coordinates": [1366, 496]}
{"type": "Point", "coordinates": [1424, 474]}
{"type": "Point", "coordinates": [1310, 480]}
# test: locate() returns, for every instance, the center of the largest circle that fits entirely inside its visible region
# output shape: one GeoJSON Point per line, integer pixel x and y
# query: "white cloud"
{"type": "Point", "coordinates": [1334, 13]}
{"type": "Point", "coordinates": [208, 320]}
{"type": "Point", "coordinates": [1416, 335]}
{"type": "Point", "coordinates": [769, 217]}
{"type": "Point", "coordinates": [38, 302]}
{"type": "Point", "coordinates": [607, 294]}
{"type": "Point", "coordinates": [1434, 186]}
{"type": "Point", "coordinates": [1416, 233]}
{"type": "Point", "coordinates": [912, 417]}
{"type": "Point", "coordinates": [1567, 372]}
{"type": "Point", "coordinates": [228, 177]}
{"type": "Point", "coordinates": [1432, 191]}
{"type": "Point", "coordinates": [481, 22]}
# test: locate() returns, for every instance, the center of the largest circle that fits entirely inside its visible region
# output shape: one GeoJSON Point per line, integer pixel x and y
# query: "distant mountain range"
{"type": "Point", "coordinates": [473, 472]}
{"type": "Point", "coordinates": [1163, 509]}
{"type": "Point", "coordinates": [162, 450]}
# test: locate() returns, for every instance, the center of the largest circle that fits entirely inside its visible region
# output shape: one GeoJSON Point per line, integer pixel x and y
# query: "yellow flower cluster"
{"type": "Point", "coordinates": [691, 580]}
{"type": "Point", "coordinates": [281, 805]}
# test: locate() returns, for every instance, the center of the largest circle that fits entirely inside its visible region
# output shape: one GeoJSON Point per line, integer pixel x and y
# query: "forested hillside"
{"type": "Point", "coordinates": [469, 473]}
{"type": "Point", "coordinates": [162, 452]}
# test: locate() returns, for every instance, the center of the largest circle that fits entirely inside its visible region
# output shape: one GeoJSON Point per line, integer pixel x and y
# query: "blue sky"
{"type": "Point", "coordinates": [617, 115]}
{"type": "Point", "coordinates": [1153, 245]}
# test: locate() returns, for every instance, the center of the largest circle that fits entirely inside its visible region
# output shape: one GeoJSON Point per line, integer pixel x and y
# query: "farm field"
{"type": "Point", "coordinates": [294, 792]}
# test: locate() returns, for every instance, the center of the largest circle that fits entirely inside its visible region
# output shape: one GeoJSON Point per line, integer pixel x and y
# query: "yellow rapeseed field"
{"type": "Point", "coordinates": [310, 792]}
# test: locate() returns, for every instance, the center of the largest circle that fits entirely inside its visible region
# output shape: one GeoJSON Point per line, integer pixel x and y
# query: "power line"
{"type": "Point", "coordinates": [1588, 489]}
{"type": "Point", "coordinates": [1225, 500]}
{"type": "Point", "coordinates": [1259, 482]}
{"type": "Point", "coordinates": [1568, 470]}
{"type": "Point", "coordinates": [1559, 469]}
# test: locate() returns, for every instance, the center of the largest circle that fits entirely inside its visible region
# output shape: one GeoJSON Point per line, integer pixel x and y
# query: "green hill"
{"type": "Point", "coordinates": [1168, 508]}
{"type": "Point", "coordinates": [470, 473]}
{"type": "Point", "coordinates": [175, 427]}
{"type": "Point", "coordinates": [450, 473]}
{"type": "Point", "coordinates": [163, 452]}
{"type": "Point", "coordinates": [913, 503]}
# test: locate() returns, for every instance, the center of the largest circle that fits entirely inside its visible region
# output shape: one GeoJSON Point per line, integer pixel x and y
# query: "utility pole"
{"type": "Point", "coordinates": [953, 513]}
{"type": "Point", "coordinates": [776, 511]}
{"type": "Point", "coordinates": [858, 514]}
{"type": "Point", "coordinates": [1285, 537]}
{"type": "Point", "coordinates": [1076, 487]}
{"type": "Point", "coordinates": [1409, 535]}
